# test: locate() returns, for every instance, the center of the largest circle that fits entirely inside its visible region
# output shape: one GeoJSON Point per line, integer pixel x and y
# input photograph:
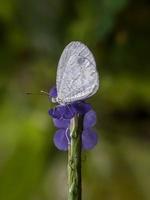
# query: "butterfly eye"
{"type": "Point", "coordinates": [81, 60]}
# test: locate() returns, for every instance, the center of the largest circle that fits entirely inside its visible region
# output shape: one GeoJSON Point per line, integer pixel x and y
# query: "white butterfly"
{"type": "Point", "coordinates": [77, 76]}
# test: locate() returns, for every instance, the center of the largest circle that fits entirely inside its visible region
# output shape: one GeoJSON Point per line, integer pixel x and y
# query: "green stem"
{"type": "Point", "coordinates": [74, 160]}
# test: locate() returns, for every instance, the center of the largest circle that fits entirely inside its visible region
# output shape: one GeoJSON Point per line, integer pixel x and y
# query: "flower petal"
{"type": "Point", "coordinates": [89, 139]}
{"type": "Point", "coordinates": [55, 113]}
{"type": "Point", "coordinates": [69, 111]}
{"type": "Point", "coordinates": [81, 107]}
{"type": "Point", "coordinates": [89, 119]}
{"type": "Point", "coordinates": [62, 112]}
{"type": "Point", "coordinates": [61, 139]}
{"type": "Point", "coordinates": [61, 123]}
{"type": "Point", "coordinates": [53, 92]}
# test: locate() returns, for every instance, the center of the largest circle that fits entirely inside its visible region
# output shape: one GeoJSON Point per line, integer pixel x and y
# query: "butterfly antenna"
{"type": "Point", "coordinates": [42, 92]}
{"type": "Point", "coordinates": [28, 93]}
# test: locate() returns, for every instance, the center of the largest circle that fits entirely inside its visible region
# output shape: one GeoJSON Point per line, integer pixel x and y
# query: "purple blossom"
{"type": "Point", "coordinates": [62, 114]}
{"type": "Point", "coordinates": [70, 110]}
{"type": "Point", "coordinates": [53, 92]}
{"type": "Point", "coordinates": [89, 119]}
{"type": "Point", "coordinates": [81, 107]}
{"type": "Point", "coordinates": [61, 139]}
{"type": "Point", "coordinates": [66, 112]}
{"type": "Point", "coordinates": [89, 139]}
{"type": "Point", "coordinates": [61, 123]}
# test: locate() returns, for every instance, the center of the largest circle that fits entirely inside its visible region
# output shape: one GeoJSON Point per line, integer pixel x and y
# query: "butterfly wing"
{"type": "Point", "coordinates": [77, 77]}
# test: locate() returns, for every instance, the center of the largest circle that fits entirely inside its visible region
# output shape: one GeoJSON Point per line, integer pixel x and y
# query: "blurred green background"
{"type": "Point", "coordinates": [33, 34]}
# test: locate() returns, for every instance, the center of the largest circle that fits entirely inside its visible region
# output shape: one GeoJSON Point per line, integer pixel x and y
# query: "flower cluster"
{"type": "Point", "coordinates": [62, 114]}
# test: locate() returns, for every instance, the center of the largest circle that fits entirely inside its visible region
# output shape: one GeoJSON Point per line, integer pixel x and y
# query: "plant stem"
{"type": "Point", "coordinates": [74, 160]}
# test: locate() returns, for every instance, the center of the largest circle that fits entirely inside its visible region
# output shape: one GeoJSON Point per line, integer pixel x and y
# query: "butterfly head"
{"type": "Point", "coordinates": [59, 101]}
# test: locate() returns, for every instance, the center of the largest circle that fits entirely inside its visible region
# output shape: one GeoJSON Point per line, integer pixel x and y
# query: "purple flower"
{"type": "Point", "coordinates": [53, 92]}
{"type": "Point", "coordinates": [61, 123]}
{"type": "Point", "coordinates": [70, 110]}
{"type": "Point", "coordinates": [81, 107]}
{"type": "Point", "coordinates": [89, 119]}
{"type": "Point", "coordinates": [61, 117]}
{"type": "Point", "coordinates": [62, 135]}
{"type": "Point", "coordinates": [66, 112]}
{"type": "Point", "coordinates": [62, 139]}
{"type": "Point", "coordinates": [89, 136]}
{"type": "Point", "coordinates": [89, 139]}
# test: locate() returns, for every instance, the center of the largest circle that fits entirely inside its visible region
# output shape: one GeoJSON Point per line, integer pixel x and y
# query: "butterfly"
{"type": "Point", "coordinates": [77, 77]}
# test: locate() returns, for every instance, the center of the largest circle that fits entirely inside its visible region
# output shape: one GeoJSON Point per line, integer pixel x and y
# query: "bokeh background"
{"type": "Point", "coordinates": [33, 34]}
